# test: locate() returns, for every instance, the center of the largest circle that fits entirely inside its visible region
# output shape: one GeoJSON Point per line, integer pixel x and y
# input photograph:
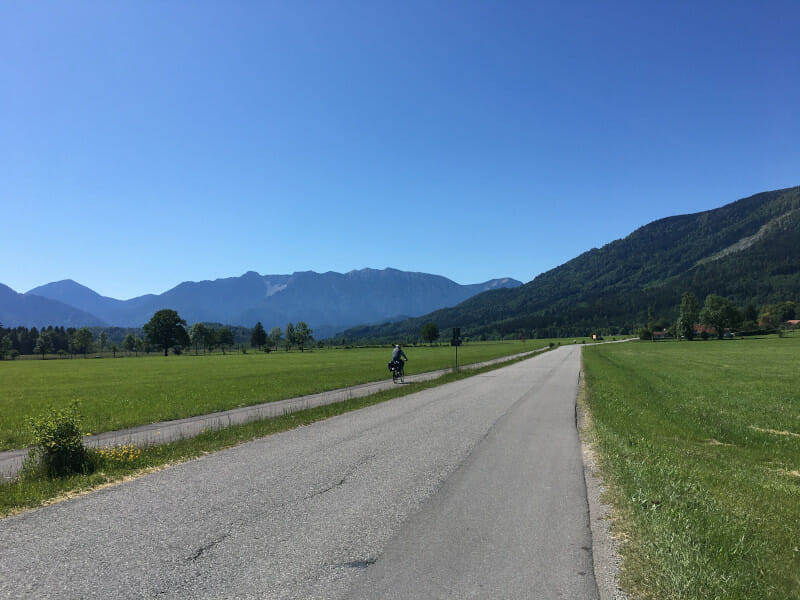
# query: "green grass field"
{"type": "Point", "coordinates": [125, 392]}
{"type": "Point", "coordinates": [700, 443]}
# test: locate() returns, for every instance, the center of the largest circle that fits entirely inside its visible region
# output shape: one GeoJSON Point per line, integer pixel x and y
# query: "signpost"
{"type": "Point", "coordinates": [456, 341]}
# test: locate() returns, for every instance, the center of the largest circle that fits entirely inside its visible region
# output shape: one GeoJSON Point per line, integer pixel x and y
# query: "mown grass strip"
{"type": "Point", "coordinates": [696, 445]}
{"type": "Point", "coordinates": [20, 494]}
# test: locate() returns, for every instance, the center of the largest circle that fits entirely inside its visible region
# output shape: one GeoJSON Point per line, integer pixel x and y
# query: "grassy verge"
{"type": "Point", "coordinates": [122, 393]}
{"type": "Point", "coordinates": [119, 464]}
{"type": "Point", "coordinates": [700, 445]}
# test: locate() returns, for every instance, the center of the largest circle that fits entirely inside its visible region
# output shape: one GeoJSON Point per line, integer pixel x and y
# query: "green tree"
{"type": "Point", "coordinates": [224, 338]}
{"type": "Point", "coordinates": [210, 339]}
{"type": "Point", "coordinates": [44, 344]}
{"type": "Point", "coordinates": [102, 340]}
{"type": "Point", "coordinates": [288, 341]}
{"type": "Point", "coordinates": [773, 315]}
{"type": "Point", "coordinates": [259, 337]}
{"type": "Point", "coordinates": [197, 335]}
{"type": "Point", "coordinates": [719, 313]}
{"type": "Point", "coordinates": [5, 346]}
{"type": "Point", "coordinates": [141, 346]}
{"type": "Point", "coordinates": [83, 340]}
{"type": "Point", "coordinates": [690, 313]}
{"type": "Point", "coordinates": [750, 317]}
{"type": "Point", "coordinates": [302, 334]}
{"type": "Point", "coordinates": [750, 313]}
{"type": "Point", "coordinates": [167, 330]}
{"type": "Point", "coordinates": [275, 337]}
{"type": "Point", "coordinates": [430, 332]}
{"type": "Point", "coordinates": [129, 343]}
{"type": "Point", "coordinates": [651, 318]}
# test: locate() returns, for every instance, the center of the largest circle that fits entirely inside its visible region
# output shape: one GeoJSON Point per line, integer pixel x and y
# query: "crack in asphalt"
{"type": "Point", "coordinates": [359, 564]}
{"type": "Point", "coordinates": [349, 473]}
{"type": "Point", "coordinates": [198, 553]}
{"type": "Point", "coordinates": [202, 549]}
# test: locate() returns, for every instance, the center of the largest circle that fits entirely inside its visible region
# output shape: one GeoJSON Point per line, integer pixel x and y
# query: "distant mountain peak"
{"type": "Point", "coordinates": [328, 302]}
{"type": "Point", "coordinates": [58, 290]}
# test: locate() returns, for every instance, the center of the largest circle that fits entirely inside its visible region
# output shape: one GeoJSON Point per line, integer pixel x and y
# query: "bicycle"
{"type": "Point", "coordinates": [398, 370]}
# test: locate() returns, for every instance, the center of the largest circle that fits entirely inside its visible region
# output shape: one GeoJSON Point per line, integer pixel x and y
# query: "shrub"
{"type": "Point", "coordinates": [58, 444]}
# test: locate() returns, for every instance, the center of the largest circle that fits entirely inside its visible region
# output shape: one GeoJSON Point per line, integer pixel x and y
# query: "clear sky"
{"type": "Point", "coordinates": [145, 143]}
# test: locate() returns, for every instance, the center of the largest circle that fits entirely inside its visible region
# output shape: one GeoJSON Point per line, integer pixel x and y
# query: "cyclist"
{"type": "Point", "coordinates": [398, 355]}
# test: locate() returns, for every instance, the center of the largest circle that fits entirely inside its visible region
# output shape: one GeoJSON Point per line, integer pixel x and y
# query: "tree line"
{"type": "Point", "coordinates": [719, 315]}
{"type": "Point", "coordinates": [165, 331]}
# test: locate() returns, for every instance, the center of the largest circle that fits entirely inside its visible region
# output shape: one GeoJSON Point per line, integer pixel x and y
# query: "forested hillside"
{"type": "Point", "coordinates": [747, 251]}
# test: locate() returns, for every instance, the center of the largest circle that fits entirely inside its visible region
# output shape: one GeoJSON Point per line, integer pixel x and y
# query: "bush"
{"type": "Point", "coordinates": [58, 444]}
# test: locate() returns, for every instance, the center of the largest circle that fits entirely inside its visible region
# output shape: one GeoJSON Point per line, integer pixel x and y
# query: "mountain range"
{"type": "Point", "coordinates": [747, 251]}
{"type": "Point", "coordinates": [328, 302]}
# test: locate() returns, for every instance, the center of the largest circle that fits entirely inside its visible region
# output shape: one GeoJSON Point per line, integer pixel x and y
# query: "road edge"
{"type": "Point", "coordinates": [605, 548]}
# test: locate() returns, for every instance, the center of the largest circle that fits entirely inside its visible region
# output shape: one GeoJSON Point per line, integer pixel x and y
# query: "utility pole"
{"type": "Point", "coordinates": [456, 341]}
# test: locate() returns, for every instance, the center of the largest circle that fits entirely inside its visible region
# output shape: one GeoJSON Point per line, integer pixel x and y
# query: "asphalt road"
{"type": "Point", "coordinates": [474, 489]}
{"type": "Point", "coordinates": [169, 431]}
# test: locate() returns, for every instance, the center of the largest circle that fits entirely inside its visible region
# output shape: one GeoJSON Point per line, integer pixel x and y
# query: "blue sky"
{"type": "Point", "coordinates": [147, 143]}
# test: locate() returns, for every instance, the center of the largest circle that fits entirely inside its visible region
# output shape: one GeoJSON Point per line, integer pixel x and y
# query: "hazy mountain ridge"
{"type": "Point", "coordinates": [327, 301]}
{"type": "Point", "coordinates": [746, 250]}
{"type": "Point", "coordinates": [22, 309]}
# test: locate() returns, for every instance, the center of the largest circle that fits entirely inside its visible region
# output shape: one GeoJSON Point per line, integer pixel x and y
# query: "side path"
{"type": "Point", "coordinates": [170, 431]}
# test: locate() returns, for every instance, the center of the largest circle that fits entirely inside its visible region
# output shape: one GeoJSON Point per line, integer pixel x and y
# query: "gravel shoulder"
{"type": "Point", "coordinates": [605, 547]}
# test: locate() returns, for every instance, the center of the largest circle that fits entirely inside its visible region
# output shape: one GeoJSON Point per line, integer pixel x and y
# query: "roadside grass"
{"type": "Point", "coordinates": [699, 443]}
{"type": "Point", "coordinates": [118, 464]}
{"type": "Point", "coordinates": [126, 392]}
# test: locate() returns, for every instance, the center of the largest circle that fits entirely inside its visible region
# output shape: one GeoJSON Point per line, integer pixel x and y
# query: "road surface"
{"type": "Point", "coordinates": [473, 489]}
{"type": "Point", "coordinates": [169, 431]}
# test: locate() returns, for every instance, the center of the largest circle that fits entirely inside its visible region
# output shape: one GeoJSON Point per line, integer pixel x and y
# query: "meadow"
{"type": "Point", "coordinates": [700, 445]}
{"type": "Point", "coordinates": [125, 392]}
